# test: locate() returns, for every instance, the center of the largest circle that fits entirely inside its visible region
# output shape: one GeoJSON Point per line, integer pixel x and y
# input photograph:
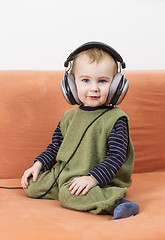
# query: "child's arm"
{"type": "Point", "coordinates": [84, 183]}
{"type": "Point", "coordinates": [34, 171]}
{"type": "Point", "coordinates": [45, 160]}
{"type": "Point", "coordinates": [116, 155]}
{"type": "Point", "coordinates": [48, 157]}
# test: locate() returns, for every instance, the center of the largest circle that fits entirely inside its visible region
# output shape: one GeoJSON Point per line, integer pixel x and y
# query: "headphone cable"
{"type": "Point", "coordinates": [68, 159]}
{"type": "Point", "coordinates": [74, 152]}
{"type": "Point", "coordinates": [11, 187]}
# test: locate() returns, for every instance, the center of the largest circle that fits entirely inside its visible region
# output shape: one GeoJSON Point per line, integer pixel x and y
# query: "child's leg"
{"type": "Point", "coordinates": [97, 200]}
{"type": "Point", "coordinates": [125, 209]}
{"type": "Point", "coordinates": [43, 183]}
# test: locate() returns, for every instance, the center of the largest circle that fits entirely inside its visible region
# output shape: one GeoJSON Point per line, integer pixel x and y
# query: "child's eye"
{"type": "Point", "coordinates": [102, 81]}
{"type": "Point", "coordinates": [85, 80]}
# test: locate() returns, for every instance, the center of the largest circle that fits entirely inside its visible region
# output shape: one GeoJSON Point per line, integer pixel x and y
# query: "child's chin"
{"type": "Point", "coordinates": [93, 105]}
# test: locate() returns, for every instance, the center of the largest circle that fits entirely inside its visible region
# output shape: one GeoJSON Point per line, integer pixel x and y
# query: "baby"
{"type": "Point", "coordinates": [91, 147]}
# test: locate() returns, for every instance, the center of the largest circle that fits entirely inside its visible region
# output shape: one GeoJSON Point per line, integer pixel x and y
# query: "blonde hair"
{"type": "Point", "coordinates": [95, 55]}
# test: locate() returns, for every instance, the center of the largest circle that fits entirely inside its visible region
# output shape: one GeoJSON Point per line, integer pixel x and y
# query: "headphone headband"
{"type": "Point", "coordinates": [89, 45]}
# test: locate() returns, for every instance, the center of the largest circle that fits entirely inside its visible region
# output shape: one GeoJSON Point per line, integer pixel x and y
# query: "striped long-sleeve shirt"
{"type": "Point", "coordinates": [113, 161]}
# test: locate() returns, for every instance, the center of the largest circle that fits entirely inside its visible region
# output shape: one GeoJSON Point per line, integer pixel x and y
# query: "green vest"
{"type": "Point", "coordinates": [94, 146]}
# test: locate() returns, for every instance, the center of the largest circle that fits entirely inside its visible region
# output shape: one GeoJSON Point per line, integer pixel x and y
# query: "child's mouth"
{"type": "Point", "coordinates": [93, 97]}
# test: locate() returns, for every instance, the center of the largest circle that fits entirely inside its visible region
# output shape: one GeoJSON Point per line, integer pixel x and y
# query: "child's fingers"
{"type": "Point", "coordinates": [76, 188]}
{"type": "Point", "coordinates": [72, 186]}
{"type": "Point", "coordinates": [75, 179]}
{"type": "Point", "coordinates": [74, 182]}
{"type": "Point", "coordinates": [24, 182]}
{"type": "Point", "coordinates": [86, 190]}
{"type": "Point", "coordinates": [79, 190]}
{"type": "Point", "coordinates": [35, 176]}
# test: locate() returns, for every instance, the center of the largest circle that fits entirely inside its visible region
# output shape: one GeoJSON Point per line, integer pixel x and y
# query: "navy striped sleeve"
{"type": "Point", "coordinates": [115, 157]}
{"type": "Point", "coordinates": [48, 157]}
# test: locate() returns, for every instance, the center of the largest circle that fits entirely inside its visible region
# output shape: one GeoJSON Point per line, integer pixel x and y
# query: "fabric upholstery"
{"type": "Point", "coordinates": [31, 105]}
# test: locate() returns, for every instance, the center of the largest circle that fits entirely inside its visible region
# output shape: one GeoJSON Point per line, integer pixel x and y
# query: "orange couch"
{"type": "Point", "coordinates": [31, 104]}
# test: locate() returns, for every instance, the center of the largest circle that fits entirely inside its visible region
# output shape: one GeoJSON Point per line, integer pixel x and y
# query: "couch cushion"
{"type": "Point", "coordinates": [25, 218]}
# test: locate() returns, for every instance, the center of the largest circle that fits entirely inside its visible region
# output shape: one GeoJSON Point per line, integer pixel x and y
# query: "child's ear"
{"type": "Point", "coordinates": [69, 90]}
{"type": "Point", "coordinates": [118, 89]}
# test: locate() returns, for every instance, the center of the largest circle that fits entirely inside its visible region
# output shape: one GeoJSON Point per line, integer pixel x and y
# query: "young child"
{"type": "Point", "coordinates": [91, 147]}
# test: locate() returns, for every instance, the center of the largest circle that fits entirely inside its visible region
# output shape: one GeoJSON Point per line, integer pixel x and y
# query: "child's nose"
{"type": "Point", "coordinates": [94, 87]}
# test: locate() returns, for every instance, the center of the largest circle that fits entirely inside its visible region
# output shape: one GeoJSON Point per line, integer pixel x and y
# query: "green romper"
{"type": "Point", "coordinates": [90, 152]}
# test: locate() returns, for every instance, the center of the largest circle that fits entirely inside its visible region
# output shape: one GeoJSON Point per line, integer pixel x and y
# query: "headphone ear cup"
{"type": "Point", "coordinates": [73, 88]}
{"type": "Point", "coordinates": [118, 89]}
{"type": "Point", "coordinates": [123, 92]}
{"type": "Point", "coordinates": [69, 90]}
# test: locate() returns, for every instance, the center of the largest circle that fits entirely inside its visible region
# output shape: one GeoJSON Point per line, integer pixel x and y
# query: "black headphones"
{"type": "Point", "coordinates": [119, 85]}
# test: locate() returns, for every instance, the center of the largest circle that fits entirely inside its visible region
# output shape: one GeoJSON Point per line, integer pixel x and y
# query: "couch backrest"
{"type": "Point", "coordinates": [31, 105]}
{"type": "Point", "coordinates": [145, 105]}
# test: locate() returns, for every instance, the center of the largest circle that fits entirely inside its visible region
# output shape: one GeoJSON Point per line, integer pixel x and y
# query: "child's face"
{"type": "Point", "coordinates": [93, 80]}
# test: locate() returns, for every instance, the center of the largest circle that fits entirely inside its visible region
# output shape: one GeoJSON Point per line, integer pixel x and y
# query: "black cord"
{"type": "Point", "coordinates": [11, 187]}
{"type": "Point", "coordinates": [68, 159]}
{"type": "Point", "coordinates": [74, 152]}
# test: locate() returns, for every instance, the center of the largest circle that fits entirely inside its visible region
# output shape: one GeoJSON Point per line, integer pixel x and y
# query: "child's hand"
{"type": "Point", "coordinates": [34, 170]}
{"type": "Point", "coordinates": [84, 184]}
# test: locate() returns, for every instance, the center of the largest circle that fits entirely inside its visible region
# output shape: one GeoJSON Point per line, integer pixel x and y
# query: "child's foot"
{"type": "Point", "coordinates": [125, 209]}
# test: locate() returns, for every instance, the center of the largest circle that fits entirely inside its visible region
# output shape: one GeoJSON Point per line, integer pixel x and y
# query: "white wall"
{"type": "Point", "coordinates": [40, 34]}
